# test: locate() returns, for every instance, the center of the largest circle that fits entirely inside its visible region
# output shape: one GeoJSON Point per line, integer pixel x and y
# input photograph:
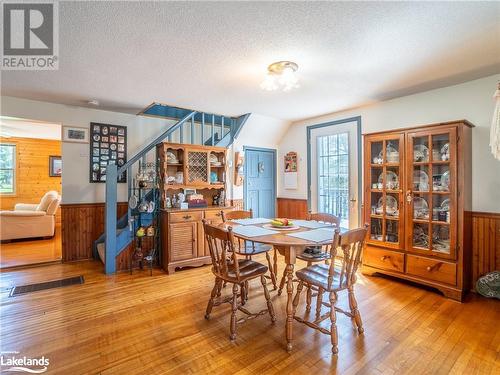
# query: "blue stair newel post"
{"type": "Point", "coordinates": [110, 217]}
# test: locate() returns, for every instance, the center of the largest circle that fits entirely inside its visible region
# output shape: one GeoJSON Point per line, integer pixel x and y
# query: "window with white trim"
{"type": "Point", "coordinates": [7, 169]}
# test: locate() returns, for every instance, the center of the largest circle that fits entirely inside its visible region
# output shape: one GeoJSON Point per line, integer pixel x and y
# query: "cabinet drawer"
{"type": "Point", "coordinates": [432, 269]}
{"type": "Point", "coordinates": [213, 215]}
{"type": "Point", "coordinates": [181, 217]}
{"type": "Point", "coordinates": [384, 259]}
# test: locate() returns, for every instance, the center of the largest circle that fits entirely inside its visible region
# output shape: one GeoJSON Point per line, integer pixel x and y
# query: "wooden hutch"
{"type": "Point", "coordinates": [417, 195]}
{"type": "Point", "coordinates": [193, 167]}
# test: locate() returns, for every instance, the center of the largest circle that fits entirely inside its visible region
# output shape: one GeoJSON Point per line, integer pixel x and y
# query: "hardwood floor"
{"type": "Point", "coordinates": [25, 252]}
{"type": "Point", "coordinates": [139, 324]}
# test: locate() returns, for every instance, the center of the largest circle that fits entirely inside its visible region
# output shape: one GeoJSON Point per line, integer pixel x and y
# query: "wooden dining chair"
{"type": "Point", "coordinates": [249, 248]}
{"type": "Point", "coordinates": [322, 252]}
{"type": "Point", "coordinates": [228, 268]}
{"type": "Point", "coordinates": [333, 278]}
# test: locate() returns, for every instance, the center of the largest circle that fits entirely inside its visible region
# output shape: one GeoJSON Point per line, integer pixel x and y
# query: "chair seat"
{"type": "Point", "coordinates": [251, 248]}
{"type": "Point", "coordinates": [248, 269]}
{"type": "Point", "coordinates": [318, 275]}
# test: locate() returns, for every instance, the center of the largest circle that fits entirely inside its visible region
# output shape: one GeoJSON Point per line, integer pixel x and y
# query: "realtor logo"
{"type": "Point", "coordinates": [30, 35]}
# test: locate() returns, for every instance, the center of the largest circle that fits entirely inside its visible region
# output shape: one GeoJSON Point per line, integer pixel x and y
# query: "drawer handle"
{"type": "Point", "coordinates": [217, 214]}
{"type": "Point", "coordinates": [434, 267]}
{"type": "Point", "coordinates": [383, 258]}
{"type": "Point", "coordinates": [186, 217]}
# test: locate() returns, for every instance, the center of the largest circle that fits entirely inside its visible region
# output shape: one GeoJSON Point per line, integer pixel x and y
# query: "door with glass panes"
{"type": "Point", "coordinates": [431, 192]}
{"type": "Point", "coordinates": [334, 171]}
{"type": "Point", "coordinates": [384, 181]}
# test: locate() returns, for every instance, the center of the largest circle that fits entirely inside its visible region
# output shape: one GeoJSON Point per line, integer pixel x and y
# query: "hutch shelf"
{"type": "Point", "coordinates": [417, 196]}
{"type": "Point", "coordinates": [184, 168]}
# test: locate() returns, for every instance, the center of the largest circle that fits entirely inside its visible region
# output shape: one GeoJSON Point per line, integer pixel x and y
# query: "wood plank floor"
{"type": "Point", "coordinates": [24, 252]}
{"type": "Point", "coordinates": [154, 325]}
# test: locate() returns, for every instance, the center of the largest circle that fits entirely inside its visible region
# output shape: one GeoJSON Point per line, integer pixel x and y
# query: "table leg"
{"type": "Point", "coordinates": [289, 307]}
{"type": "Point", "coordinates": [275, 265]}
{"type": "Point", "coordinates": [290, 261]}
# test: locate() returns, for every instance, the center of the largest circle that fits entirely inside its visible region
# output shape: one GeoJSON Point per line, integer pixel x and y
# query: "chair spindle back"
{"type": "Point", "coordinates": [325, 218]}
{"type": "Point", "coordinates": [220, 244]}
{"type": "Point", "coordinates": [351, 244]}
{"type": "Point", "coordinates": [236, 214]}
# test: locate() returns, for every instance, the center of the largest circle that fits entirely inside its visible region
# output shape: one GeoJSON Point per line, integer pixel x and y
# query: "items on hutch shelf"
{"type": "Point", "coordinates": [194, 179]}
{"type": "Point", "coordinates": [108, 145]}
{"type": "Point", "coordinates": [195, 200]}
{"type": "Point", "coordinates": [417, 191]}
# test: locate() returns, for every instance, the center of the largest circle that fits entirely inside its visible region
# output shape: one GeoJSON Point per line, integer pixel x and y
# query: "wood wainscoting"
{"type": "Point", "coordinates": [485, 244]}
{"type": "Point", "coordinates": [82, 224]}
{"type": "Point", "coordinates": [292, 208]}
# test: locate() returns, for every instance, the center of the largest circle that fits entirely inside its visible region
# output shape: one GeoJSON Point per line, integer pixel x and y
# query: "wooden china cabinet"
{"type": "Point", "coordinates": [185, 167]}
{"type": "Point", "coordinates": [417, 195]}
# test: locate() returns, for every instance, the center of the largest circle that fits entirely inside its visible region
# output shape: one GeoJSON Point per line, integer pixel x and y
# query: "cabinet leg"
{"type": "Point", "coordinates": [368, 271]}
{"type": "Point", "coordinates": [456, 295]}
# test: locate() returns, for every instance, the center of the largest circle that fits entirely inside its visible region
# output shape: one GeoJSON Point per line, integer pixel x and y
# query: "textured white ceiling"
{"type": "Point", "coordinates": [212, 56]}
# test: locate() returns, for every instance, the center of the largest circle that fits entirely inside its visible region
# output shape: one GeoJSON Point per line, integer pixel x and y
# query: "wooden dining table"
{"type": "Point", "coordinates": [289, 247]}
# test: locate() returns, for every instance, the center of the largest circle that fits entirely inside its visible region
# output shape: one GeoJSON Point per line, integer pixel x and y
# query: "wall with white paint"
{"type": "Point", "coordinates": [472, 100]}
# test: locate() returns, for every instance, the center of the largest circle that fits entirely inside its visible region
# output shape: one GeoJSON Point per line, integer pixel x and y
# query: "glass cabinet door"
{"type": "Point", "coordinates": [431, 192]}
{"type": "Point", "coordinates": [384, 191]}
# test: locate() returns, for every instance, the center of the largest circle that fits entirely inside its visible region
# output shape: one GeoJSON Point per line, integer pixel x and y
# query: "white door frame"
{"type": "Point", "coordinates": [357, 120]}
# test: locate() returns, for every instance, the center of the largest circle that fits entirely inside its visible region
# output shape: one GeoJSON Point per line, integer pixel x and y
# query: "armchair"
{"type": "Point", "coordinates": [30, 220]}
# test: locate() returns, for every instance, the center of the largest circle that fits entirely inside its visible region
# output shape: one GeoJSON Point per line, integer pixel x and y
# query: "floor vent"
{"type": "Point", "coordinates": [23, 289]}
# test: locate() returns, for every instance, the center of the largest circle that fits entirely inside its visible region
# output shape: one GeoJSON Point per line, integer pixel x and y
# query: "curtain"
{"type": "Point", "coordinates": [495, 126]}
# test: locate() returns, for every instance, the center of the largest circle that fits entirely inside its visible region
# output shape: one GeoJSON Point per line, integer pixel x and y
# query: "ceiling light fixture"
{"type": "Point", "coordinates": [281, 74]}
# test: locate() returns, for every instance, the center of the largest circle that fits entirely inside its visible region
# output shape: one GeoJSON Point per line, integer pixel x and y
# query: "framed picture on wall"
{"type": "Point", "coordinates": [74, 134]}
{"type": "Point", "coordinates": [107, 148]}
{"type": "Point", "coordinates": [55, 166]}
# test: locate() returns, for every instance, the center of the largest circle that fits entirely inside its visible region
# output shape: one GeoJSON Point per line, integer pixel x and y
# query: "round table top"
{"type": "Point", "coordinates": [280, 238]}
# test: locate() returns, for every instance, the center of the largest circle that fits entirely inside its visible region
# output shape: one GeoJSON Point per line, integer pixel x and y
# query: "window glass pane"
{"type": "Point", "coordinates": [343, 143]}
{"type": "Point", "coordinates": [7, 165]}
{"type": "Point", "coordinates": [333, 174]}
{"type": "Point", "coordinates": [6, 181]}
{"type": "Point", "coordinates": [7, 156]}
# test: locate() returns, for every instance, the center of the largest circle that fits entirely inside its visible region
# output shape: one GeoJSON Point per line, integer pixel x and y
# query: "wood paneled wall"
{"type": "Point", "coordinates": [292, 208]}
{"type": "Point", "coordinates": [485, 244]}
{"type": "Point", "coordinates": [81, 225]}
{"type": "Point", "coordinates": [32, 171]}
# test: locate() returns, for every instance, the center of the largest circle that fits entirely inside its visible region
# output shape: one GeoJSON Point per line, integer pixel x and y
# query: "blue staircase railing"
{"type": "Point", "coordinates": [223, 131]}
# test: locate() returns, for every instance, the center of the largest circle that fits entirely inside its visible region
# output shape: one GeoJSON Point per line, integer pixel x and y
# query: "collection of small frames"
{"type": "Point", "coordinates": [108, 145]}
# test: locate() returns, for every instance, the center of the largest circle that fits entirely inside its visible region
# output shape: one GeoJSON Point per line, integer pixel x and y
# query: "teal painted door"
{"type": "Point", "coordinates": [260, 182]}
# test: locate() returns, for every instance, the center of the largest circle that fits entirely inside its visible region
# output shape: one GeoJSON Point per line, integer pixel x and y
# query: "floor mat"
{"type": "Point", "coordinates": [23, 289]}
